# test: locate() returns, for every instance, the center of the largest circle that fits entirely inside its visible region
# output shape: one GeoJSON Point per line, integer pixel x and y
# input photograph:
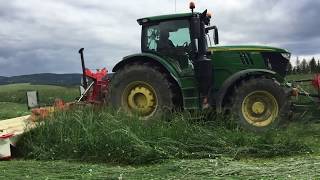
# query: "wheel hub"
{"type": "Point", "coordinates": [140, 97]}
{"type": "Point", "coordinates": [260, 108]}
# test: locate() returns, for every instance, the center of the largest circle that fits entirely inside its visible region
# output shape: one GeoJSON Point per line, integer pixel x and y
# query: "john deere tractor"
{"type": "Point", "coordinates": [177, 69]}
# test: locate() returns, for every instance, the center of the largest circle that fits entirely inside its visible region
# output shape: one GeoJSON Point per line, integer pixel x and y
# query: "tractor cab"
{"type": "Point", "coordinates": [181, 38]}
{"type": "Point", "coordinates": [177, 35]}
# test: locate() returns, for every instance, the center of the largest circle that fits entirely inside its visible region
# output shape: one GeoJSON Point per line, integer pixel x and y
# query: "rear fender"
{"type": "Point", "coordinates": [155, 60]}
{"type": "Point", "coordinates": [229, 84]}
{"type": "Point", "coordinates": [147, 57]}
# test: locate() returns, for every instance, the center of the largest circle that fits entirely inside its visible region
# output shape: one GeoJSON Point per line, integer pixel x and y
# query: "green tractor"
{"type": "Point", "coordinates": [178, 70]}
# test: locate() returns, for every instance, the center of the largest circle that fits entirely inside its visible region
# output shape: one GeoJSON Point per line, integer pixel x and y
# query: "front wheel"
{"type": "Point", "coordinates": [260, 104]}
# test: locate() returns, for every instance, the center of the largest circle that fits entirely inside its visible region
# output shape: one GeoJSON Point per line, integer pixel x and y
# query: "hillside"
{"type": "Point", "coordinates": [45, 78]}
{"type": "Point", "coordinates": [2, 78]}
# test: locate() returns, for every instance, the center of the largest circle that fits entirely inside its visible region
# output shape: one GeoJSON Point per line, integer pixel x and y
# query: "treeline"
{"type": "Point", "coordinates": [305, 66]}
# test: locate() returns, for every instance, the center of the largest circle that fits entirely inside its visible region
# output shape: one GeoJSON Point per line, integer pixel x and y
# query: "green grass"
{"type": "Point", "coordinates": [13, 101]}
{"type": "Point", "coordinates": [16, 93]}
{"type": "Point", "coordinates": [293, 77]}
{"type": "Point", "coordinates": [302, 167]}
{"type": "Point", "coordinates": [107, 136]}
{"type": "Point", "coordinates": [12, 110]}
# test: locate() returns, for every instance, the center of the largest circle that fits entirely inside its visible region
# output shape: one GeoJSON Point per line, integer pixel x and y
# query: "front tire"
{"type": "Point", "coordinates": [260, 104]}
{"type": "Point", "coordinates": [141, 89]}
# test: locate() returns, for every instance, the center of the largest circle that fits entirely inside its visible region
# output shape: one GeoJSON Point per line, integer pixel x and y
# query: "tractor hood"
{"type": "Point", "coordinates": [275, 59]}
{"type": "Point", "coordinates": [247, 48]}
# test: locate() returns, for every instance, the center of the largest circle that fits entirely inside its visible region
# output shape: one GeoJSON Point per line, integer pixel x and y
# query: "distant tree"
{"type": "Point", "coordinates": [290, 68]}
{"type": "Point", "coordinates": [294, 70]}
{"type": "Point", "coordinates": [304, 66]}
{"type": "Point", "coordinates": [298, 66]}
{"type": "Point", "coordinates": [318, 67]}
{"type": "Point", "coordinates": [313, 65]}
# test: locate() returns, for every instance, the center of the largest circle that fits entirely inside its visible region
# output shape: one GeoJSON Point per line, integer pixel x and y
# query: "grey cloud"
{"type": "Point", "coordinates": [275, 22]}
{"type": "Point", "coordinates": [44, 36]}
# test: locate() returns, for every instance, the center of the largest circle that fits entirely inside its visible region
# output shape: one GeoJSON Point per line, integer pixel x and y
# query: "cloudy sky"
{"type": "Point", "coordinates": [39, 36]}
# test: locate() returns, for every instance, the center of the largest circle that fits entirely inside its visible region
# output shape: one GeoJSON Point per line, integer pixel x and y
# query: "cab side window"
{"type": "Point", "coordinates": [166, 36]}
{"type": "Point", "coordinates": [152, 38]}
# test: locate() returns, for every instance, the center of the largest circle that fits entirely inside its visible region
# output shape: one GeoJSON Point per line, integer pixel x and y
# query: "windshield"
{"type": "Point", "coordinates": [166, 36]}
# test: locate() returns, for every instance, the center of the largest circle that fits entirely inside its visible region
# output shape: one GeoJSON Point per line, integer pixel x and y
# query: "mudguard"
{"type": "Point", "coordinates": [229, 83]}
{"type": "Point", "coordinates": [148, 57]}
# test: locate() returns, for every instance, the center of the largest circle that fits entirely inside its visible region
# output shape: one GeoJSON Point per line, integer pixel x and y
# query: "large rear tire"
{"type": "Point", "coordinates": [260, 104]}
{"type": "Point", "coordinates": [141, 89]}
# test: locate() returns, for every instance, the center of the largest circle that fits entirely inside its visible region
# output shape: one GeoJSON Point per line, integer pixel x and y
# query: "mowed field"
{"type": "Point", "coordinates": [216, 150]}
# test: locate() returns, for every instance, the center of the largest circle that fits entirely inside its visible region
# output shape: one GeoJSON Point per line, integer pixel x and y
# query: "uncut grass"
{"type": "Point", "coordinates": [12, 110]}
{"type": "Point", "coordinates": [16, 93]}
{"type": "Point", "coordinates": [104, 135]}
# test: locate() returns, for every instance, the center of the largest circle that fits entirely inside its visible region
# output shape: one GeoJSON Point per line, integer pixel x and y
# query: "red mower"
{"type": "Point", "coordinates": [97, 91]}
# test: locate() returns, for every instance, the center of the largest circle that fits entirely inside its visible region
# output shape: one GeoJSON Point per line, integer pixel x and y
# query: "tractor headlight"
{"type": "Point", "coordinates": [286, 55]}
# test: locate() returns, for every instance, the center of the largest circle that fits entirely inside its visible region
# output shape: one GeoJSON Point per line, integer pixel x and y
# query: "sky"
{"type": "Point", "coordinates": [44, 36]}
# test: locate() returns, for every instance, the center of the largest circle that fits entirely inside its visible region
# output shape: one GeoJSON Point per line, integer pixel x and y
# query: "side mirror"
{"type": "Point", "coordinates": [33, 99]}
{"type": "Point", "coordinates": [216, 35]}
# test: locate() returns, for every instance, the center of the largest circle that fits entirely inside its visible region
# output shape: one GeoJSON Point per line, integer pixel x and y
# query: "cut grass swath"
{"type": "Point", "coordinates": [104, 135]}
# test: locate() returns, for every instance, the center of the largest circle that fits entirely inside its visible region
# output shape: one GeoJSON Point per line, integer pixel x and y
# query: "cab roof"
{"type": "Point", "coordinates": [163, 17]}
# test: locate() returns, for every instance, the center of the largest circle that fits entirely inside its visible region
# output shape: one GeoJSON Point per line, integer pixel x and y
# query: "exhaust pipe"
{"type": "Point", "coordinates": [84, 77]}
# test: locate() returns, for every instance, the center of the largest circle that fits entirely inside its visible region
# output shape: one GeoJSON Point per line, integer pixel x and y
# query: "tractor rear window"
{"type": "Point", "coordinates": [166, 35]}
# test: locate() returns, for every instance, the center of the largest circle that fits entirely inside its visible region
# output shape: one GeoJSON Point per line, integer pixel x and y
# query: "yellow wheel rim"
{"type": "Point", "coordinates": [260, 108]}
{"type": "Point", "coordinates": [140, 97]}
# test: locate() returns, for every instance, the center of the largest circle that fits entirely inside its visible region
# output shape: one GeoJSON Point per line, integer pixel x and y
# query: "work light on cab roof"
{"type": "Point", "coordinates": [192, 6]}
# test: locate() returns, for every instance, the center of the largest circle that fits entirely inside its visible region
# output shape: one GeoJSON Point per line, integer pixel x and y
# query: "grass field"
{"type": "Point", "coordinates": [16, 93]}
{"type": "Point", "coordinates": [11, 110]}
{"type": "Point", "coordinates": [13, 100]}
{"type": "Point", "coordinates": [301, 167]}
{"type": "Point", "coordinates": [72, 146]}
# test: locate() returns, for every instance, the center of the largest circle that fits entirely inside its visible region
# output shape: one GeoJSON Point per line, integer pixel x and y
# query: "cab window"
{"type": "Point", "coordinates": [166, 36]}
